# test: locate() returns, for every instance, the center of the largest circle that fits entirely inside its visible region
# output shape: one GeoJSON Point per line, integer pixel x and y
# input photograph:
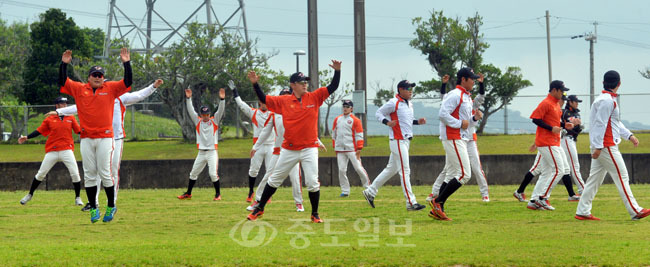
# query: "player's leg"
{"type": "Point", "coordinates": [309, 164]}
{"type": "Point", "coordinates": [551, 172]}
{"type": "Point", "coordinates": [388, 172]}
{"type": "Point", "coordinates": [358, 167]}
{"type": "Point", "coordinates": [287, 160]}
{"type": "Point", "coordinates": [199, 164]}
{"type": "Point", "coordinates": [49, 160]}
{"type": "Point", "coordinates": [342, 162]}
{"type": "Point", "coordinates": [440, 180]}
{"type": "Point", "coordinates": [89, 164]}
{"type": "Point", "coordinates": [405, 175]}
{"type": "Point", "coordinates": [254, 169]}
{"type": "Point", "coordinates": [574, 164]}
{"type": "Point", "coordinates": [213, 171]}
{"type": "Point", "coordinates": [260, 188]}
{"type": "Point", "coordinates": [104, 157]}
{"type": "Point", "coordinates": [296, 187]}
{"type": "Point", "coordinates": [459, 168]}
{"type": "Point", "coordinates": [477, 170]}
{"type": "Point", "coordinates": [528, 177]}
{"type": "Point", "coordinates": [566, 173]}
{"type": "Point", "coordinates": [115, 164]}
{"type": "Point", "coordinates": [612, 160]}
{"type": "Point", "coordinates": [597, 174]}
{"type": "Point", "coordinates": [68, 159]}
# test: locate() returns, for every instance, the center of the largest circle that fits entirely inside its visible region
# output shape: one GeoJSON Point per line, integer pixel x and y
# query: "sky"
{"type": "Point", "coordinates": [515, 31]}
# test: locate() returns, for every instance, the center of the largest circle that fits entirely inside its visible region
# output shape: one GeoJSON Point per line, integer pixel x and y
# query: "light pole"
{"type": "Point", "coordinates": [298, 53]}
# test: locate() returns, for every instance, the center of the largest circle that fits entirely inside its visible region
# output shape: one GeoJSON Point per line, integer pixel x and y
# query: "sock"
{"type": "Point", "coordinates": [566, 179]}
{"type": "Point", "coordinates": [442, 187]}
{"type": "Point", "coordinates": [527, 178]}
{"type": "Point", "coordinates": [451, 187]}
{"type": "Point", "coordinates": [190, 186]}
{"type": "Point", "coordinates": [268, 193]}
{"type": "Point", "coordinates": [314, 198]}
{"type": "Point", "coordinates": [217, 188]}
{"type": "Point", "coordinates": [91, 193]}
{"type": "Point", "coordinates": [251, 185]}
{"type": "Point", "coordinates": [35, 184]}
{"type": "Point", "coordinates": [110, 195]}
{"type": "Point", "coordinates": [77, 188]}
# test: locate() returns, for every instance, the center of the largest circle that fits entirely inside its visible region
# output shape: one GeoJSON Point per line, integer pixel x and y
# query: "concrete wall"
{"type": "Point", "coordinates": [500, 169]}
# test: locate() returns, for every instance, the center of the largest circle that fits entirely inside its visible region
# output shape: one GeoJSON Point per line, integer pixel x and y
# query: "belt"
{"type": "Point", "coordinates": [409, 138]}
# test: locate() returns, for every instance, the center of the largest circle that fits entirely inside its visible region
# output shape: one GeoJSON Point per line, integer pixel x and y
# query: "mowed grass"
{"type": "Point", "coordinates": [152, 227]}
{"type": "Point", "coordinates": [376, 146]}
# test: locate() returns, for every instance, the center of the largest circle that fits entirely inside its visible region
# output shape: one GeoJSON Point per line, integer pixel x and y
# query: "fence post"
{"type": "Point", "coordinates": [132, 121]}
{"type": "Point", "coordinates": [505, 118]}
{"type": "Point", "coordinates": [237, 124]}
{"type": "Point", "coordinates": [25, 115]}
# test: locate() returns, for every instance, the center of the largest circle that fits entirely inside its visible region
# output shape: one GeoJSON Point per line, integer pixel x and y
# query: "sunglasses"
{"type": "Point", "coordinates": [346, 106]}
{"type": "Point", "coordinates": [97, 75]}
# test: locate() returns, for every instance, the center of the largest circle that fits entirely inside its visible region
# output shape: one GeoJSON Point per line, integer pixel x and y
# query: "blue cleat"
{"type": "Point", "coordinates": [94, 215]}
{"type": "Point", "coordinates": [110, 213]}
{"type": "Point", "coordinates": [344, 195]}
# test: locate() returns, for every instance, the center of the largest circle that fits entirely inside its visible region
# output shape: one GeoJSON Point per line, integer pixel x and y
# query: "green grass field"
{"type": "Point", "coordinates": [377, 146]}
{"type": "Point", "coordinates": [152, 227]}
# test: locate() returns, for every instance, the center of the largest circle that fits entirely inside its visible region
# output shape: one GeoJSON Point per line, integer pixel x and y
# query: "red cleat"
{"type": "Point", "coordinates": [644, 213]}
{"type": "Point", "coordinates": [437, 210]}
{"type": "Point", "coordinates": [185, 196]}
{"type": "Point", "coordinates": [256, 214]}
{"type": "Point", "coordinates": [316, 219]}
{"type": "Point", "coordinates": [250, 198]}
{"type": "Point", "coordinates": [587, 217]}
{"type": "Point", "coordinates": [217, 198]}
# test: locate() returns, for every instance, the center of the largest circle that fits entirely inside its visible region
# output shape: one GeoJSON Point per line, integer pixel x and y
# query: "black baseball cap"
{"type": "Point", "coordinates": [60, 100]}
{"type": "Point", "coordinates": [611, 76]}
{"type": "Point", "coordinates": [574, 98]}
{"type": "Point", "coordinates": [285, 91]}
{"type": "Point", "coordinates": [557, 84]}
{"type": "Point", "coordinates": [466, 73]}
{"type": "Point", "coordinates": [204, 110]}
{"type": "Point", "coordinates": [348, 102]}
{"type": "Point", "coordinates": [298, 77]}
{"type": "Point", "coordinates": [405, 84]}
{"type": "Point", "coordinates": [94, 69]}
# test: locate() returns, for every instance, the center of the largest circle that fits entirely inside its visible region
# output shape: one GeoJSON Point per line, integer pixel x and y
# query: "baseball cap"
{"type": "Point", "coordinates": [348, 103]}
{"type": "Point", "coordinates": [467, 73]}
{"type": "Point", "coordinates": [557, 84]}
{"type": "Point", "coordinates": [285, 91]}
{"type": "Point", "coordinates": [298, 77]}
{"type": "Point", "coordinates": [574, 98]}
{"type": "Point", "coordinates": [204, 110]}
{"type": "Point", "coordinates": [94, 69]}
{"type": "Point", "coordinates": [60, 100]}
{"type": "Point", "coordinates": [611, 76]}
{"type": "Point", "coordinates": [405, 84]}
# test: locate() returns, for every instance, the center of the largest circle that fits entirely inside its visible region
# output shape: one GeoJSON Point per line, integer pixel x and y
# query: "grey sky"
{"type": "Point", "coordinates": [281, 25]}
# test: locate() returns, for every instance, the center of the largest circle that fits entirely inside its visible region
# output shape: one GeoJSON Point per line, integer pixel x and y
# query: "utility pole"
{"type": "Point", "coordinates": [149, 12]}
{"type": "Point", "coordinates": [360, 59]}
{"type": "Point", "coordinates": [591, 38]}
{"type": "Point", "coordinates": [312, 25]}
{"type": "Point", "coordinates": [548, 46]}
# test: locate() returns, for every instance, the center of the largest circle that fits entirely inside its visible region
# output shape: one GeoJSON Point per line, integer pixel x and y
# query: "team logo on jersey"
{"type": "Point", "coordinates": [349, 121]}
{"type": "Point", "coordinates": [103, 94]}
{"type": "Point", "coordinates": [310, 106]}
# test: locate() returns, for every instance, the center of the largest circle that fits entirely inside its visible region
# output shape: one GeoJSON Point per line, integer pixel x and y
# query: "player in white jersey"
{"type": "Point", "coordinates": [472, 149]}
{"type": "Point", "coordinates": [605, 133]}
{"type": "Point", "coordinates": [119, 109]}
{"type": "Point", "coordinates": [273, 129]}
{"type": "Point", "coordinates": [397, 114]}
{"type": "Point", "coordinates": [456, 117]}
{"type": "Point", "coordinates": [265, 150]}
{"type": "Point", "coordinates": [207, 140]}
{"type": "Point", "coordinates": [347, 140]}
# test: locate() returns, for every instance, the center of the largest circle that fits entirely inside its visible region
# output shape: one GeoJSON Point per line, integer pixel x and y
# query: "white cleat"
{"type": "Point", "coordinates": [26, 199]}
{"type": "Point", "coordinates": [252, 206]}
{"type": "Point", "coordinates": [486, 199]}
{"type": "Point", "coordinates": [299, 207]}
{"type": "Point", "coordinates": [430, 198]}
{"type": "Point", "coordinates": [78, 202]}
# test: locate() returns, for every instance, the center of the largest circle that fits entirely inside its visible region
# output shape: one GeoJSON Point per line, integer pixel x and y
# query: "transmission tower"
{"type": "Point", "coordinates": [121, 26]}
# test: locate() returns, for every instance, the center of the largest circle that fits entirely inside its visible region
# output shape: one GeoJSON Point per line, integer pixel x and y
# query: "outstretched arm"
{"type": "Point", "coordinates": [248, 111]}
{"type": "Point", "coordinates": [67, 111]}
{"type": "Point", "coordinates": [190, 108]}
{"type": "Point", "coordinates": [336, 65]}
{"type": "Point", "coordinates": [252, 76]}
{"type": "Point", "coordinates": [222, 106]}
{"type": "Point", "coordinates": [135, 97]}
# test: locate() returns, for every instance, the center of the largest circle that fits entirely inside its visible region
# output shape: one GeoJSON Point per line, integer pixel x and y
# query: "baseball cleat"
{"type": "Point", "coordinates": [110, 213]}
{"type": "Point", "coordinates": [545, 204]}
{"type": "Point", "coordinates": [78, 202]}
{"type": "Point", "coordinates": [344, 195]}
{"type": "Point", "coordinates": [299, 207]}
{"type": "Point", "coordinates": [253, 206]}
{"type": "Point", "coordinates": [574, 198]}
{"type": "Point", "coordinates": [533, 205]}
{"type": "Point", "coordinates": [486, 199]}
{"type": "Point", "coordinates": [416, 206]}
{"type": "Point", "coordinates": [256, 214]}
{"type": "Point", "coordinates": [94, 215]}
{"type": "Point", "coordinates": [26, 199]}
{"type": "Point", "coordinates": [369, 198]}
{"type": "Point", "coordinates": [87, 207]}
{"type": "Point", "coordinates": [437, 210]}
{"type": "Point", "coordinates": [217, 198]}
{"type": "Point", "coordinates": [435, 216]}
{"type": "Point", "coordinates": [315, 218]}
{"type": "Point", "coordinates": [644, 213]}
{"type": "Point", "coordinates": [430, 197]}
{"type": "Point", "coordinates": [185, 196]}
{"type": "Point", "coordinates": [250, 198]}
{"type": "Point", "coordinates": [519, 196]}
{"type": "Point", "coordinates": [586, 217]}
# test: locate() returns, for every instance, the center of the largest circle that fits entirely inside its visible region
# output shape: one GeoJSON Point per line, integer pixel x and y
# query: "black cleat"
{"type": "Point", "coordinates": [369, 198]}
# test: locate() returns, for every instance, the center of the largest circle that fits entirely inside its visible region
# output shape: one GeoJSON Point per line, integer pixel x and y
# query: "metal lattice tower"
{"type": "Point", "coordinates": [126, 28]}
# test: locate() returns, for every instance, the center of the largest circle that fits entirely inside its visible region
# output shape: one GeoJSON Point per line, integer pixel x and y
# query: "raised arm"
{"type": "Point", "coordinates": [218, 115]}
{"type": "Point", "coordinates": [126, 61]}
{"type": "Point", "coordinates": [336, 65]}
{"type": "Point", "coordinates": [135, 97]}
{"type": "Point", "coordinates": [252, 76]}
{"type": "Point", "coordinates": [67, 111]}
{"type": "Point", "coordinates": [63, 67]}
{"type": "Point", "coordinates": [190, 108]}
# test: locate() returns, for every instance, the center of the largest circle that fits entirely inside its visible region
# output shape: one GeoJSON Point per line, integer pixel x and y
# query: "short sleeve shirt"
{"type": "Point", "coordinates": [550, 112]}
{"type": "Point", "coordinates": [59, 132]}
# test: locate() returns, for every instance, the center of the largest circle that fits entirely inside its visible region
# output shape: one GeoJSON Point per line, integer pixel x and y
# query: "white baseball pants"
{"type": "Point", "coordinates": [457, 165]}
{"type": "Point", "coordinates": [477, 170]}
{"type": "Point", "coordinates": [294, 177]}
{"type": "Point", "coordinates": [209, 157]}
{"type": "Point", "coordinates": [571, 154]}
{"type": "Point", "coordinates": [610, 161]}
{"type": "Point", "coordinates": [96, 154]}
{"type": "Point", "coordinates": [553, 167]}
{"type": "Point", "coordinates": [52, 157]}
{"type": "Point", "coordinates": [115, 167]}
{"type": "Point", "coordinates": [536, 169]}
{"type": "Point", "coordinates": [398, 163]}
{"type": "Point", "coordinates": [262, 155]}
{"type": "Point", "coordinates": [307, 157]}
{"type": "Point", "coordinates": [342, 159]}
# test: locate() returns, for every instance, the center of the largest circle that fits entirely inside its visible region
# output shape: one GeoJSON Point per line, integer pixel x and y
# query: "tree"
{"type": "Point", "coordinates": [383, 94]}
{"type": "Point", "coordinates": [338, 95]}
{"type": "Point", "coordinates": [500, 89]}
{"type": "Point", "coordinates": [645, 73]}
{"type": "Point", "coordinates": [14, 51]}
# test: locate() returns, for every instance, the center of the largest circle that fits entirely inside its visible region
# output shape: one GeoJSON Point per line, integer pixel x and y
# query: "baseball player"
{"type": "Point", "coordinates": [347, 141]}
{"type": "Point", "coordinates": [119, 109]}
{"type": "Point", "coordinates": [58, 147]}
{"type": "Point", "coordinates": [397, 114]}
{"type": "Point", "coordinates": [569, 139]}
{"type": "Point", "coordinates": [300, 117]}
{"type": "Point", "coordinates": [265, 150]}
{"type": "Point", "coordinates": [95, 102]}
{"type": "Point", "coordinates": [605, 133]}
{"type": "Point", "coordinates": [207, 140]}
{"type": "Point", "coordinates": [456, 118]}
{"type": "Point", "coordinates": [472, 149]}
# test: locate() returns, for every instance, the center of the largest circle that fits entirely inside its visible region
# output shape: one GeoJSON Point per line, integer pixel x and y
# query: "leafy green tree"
{"type": "Point", "coordinates": [342, 92]}
{"type": "Point", "coordinates": [14, 51]}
